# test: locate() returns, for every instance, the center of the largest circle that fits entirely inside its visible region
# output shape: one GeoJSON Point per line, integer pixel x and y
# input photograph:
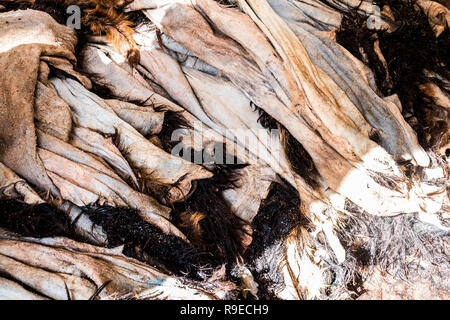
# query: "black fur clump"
{"type": "Point", "coordinates": [173, 120]}
{"type": "Point", "coordinates": [265, 119]}
{"type": "Point", "coordinates": [409, 50]}
{"type": "Point", "coordinates": [278, 215]}
{"type": "Point", "coordinates": [40, 220]}
{"type": "Point", "coordinates": [220, 229]}
{"type": "Point", "coordinates": [300, 160]}
{"type": "Point", "coordinates": [148, 243]}
{"type": "Point", "coordinates": [298, 157]}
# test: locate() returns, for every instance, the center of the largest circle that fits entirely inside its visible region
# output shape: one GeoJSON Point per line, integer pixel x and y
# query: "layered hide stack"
{"type": "Point", "coordinates": [258, 149]}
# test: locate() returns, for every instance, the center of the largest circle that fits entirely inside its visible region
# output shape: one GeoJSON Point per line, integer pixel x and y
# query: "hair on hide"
{"type": "Point", "coordinates": [278, 215]}
{"type": "Point", "coordinates": [173, 120]}
{"type": "Point", "coordinates": [391, 243]}
{"type": "Point", "coordinates": [99, 17]}
{"type": "Point", "coordinates": [299, 159]}
{"type": "Point", "coordinates": [39, 220]}
{"type": "Point", "coordinates": [148, 243]}
{"type": "Point", "coordinates": [402, 246]}
{"type": "Point", "coordinates": [208, 219]}
{"type": "Point", "coordinates": [414, 57]}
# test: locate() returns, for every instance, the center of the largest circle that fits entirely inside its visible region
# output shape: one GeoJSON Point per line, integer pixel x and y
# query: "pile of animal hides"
{"type": "Point", "coordinates": [203, 149]}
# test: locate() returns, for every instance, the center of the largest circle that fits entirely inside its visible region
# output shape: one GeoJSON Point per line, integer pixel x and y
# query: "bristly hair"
{"type": "Point", "coordinates": [208, 219]}
{"type": "Point", "coordinates": [409, 50]}
{"type": "Point", "coordinates": [148, 243]}
{"type": "Point", "coordinates": [38, 220]}
{"type": "Point", "coordinates": [278, 215]}
{"type": "Point", "coordinates": [402, 246]}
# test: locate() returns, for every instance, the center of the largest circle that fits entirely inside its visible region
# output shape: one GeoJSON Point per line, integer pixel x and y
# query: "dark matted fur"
{"type": "Point", "coordinates": [208, 218]}
{"type": "Point", "coordinates": [40, 220]}
{"type": "Point", "coordinates": [278, 215]}
{"type": "Point", "coordinates": [408, 51]}
{"type": "Point", "coordinates": [299, 159]}
{"type": "Point", "coordinates": [148, 243]}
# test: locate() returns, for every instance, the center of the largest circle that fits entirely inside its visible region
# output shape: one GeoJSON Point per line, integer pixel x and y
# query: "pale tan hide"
{"type": "Point", "coordinates": [63, 269]}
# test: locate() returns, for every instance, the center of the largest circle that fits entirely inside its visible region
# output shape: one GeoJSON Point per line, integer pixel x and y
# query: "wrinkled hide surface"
{"type": "Point", "coordinates": [21, 64]}
{"type": "Point", "coordinates": [59, 268]}
{"type": "Point", "coordinates": [267, 149]}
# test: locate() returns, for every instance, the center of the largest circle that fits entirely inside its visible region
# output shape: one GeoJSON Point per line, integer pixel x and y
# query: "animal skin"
{"type": "Point", "coordinates": [106, 19]}
{"type": "Point", "coordinates": [99, 18]}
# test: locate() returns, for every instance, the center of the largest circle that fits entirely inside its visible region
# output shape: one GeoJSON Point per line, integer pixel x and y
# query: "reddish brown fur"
{"type": "Point", "coordinates": [105, 19]}
{"type": "Point", "coordinates": [191, 223]}
{"type": "Point", "coordinates": [102, 17]}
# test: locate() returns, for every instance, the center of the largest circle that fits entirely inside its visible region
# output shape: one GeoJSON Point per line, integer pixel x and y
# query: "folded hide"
{"type": "Point", "coordinates": [29, 40]}
{"type": "Point", "coordinates": [63, 269]}
{"type": "Point", "coordinates": [127, 86]}
{"type": "Point", "coordinates": [298, 94]}
{"type": "Point", "coordinates": [330, 190]}
{"type": "Point", "coordinates": [152, 162]}
{"type": "Point", "coordinates": [12, 186]}
{"type": "Point", "coordinates": [32, 43]}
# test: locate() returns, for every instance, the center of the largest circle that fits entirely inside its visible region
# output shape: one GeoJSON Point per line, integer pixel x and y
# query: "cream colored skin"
{"type": "Point", "coordinates": [13, 186]}
{"type": "Point", "coordinates": [123, 85]}
{"type": "Point", "coordinates": [143, 119]}
{"type": "Point", "coordinates": [289, 86]}
{"type": "Point", "coordinates": [94, 143]}
{"type": "Point", "coordinates": [64, 269]}
{"type": "Point", "coordinates": [92, 112]}
{"type": "Point", "coordinates": [343, 154]}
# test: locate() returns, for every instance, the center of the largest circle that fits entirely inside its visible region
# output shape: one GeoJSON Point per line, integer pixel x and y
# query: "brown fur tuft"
{"type": "Point", "coordinates": [191, 223]}
{"type": "Point", "coordinates": [99, 17]}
